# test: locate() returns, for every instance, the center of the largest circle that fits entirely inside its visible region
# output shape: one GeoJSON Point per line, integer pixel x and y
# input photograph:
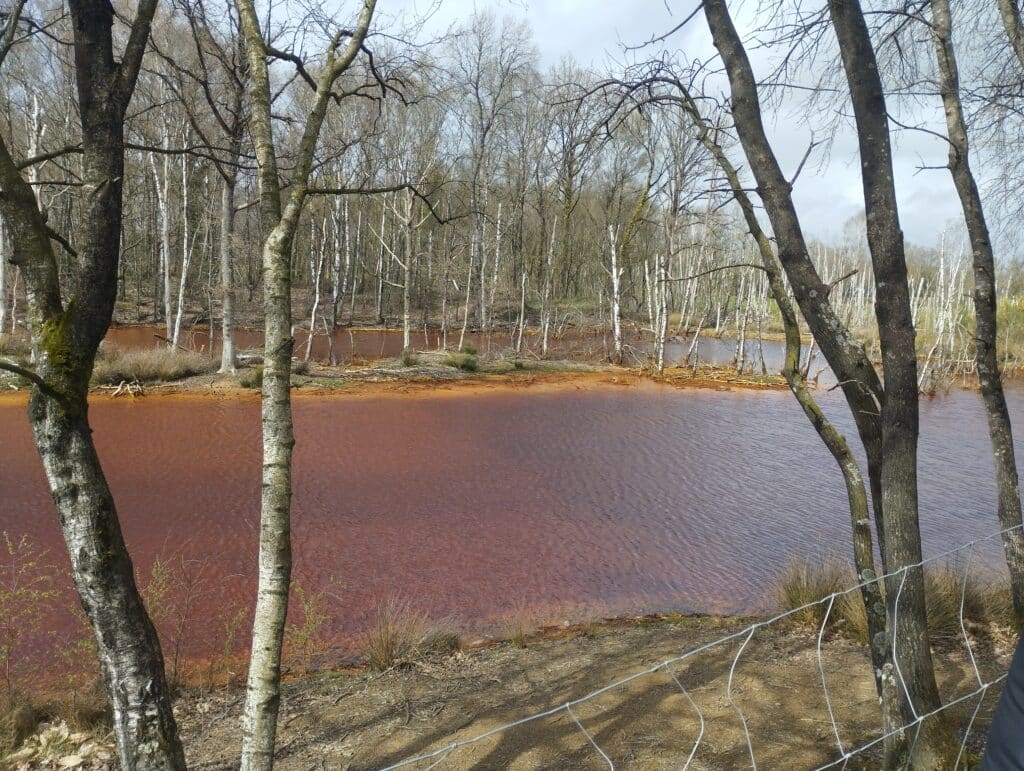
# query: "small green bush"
{"type": "Point", "coordinates": [470, 349]}
{"type": "Point", "coordinates": [251, 379]}
{"type": "Point", "coordinates": [463, 361]}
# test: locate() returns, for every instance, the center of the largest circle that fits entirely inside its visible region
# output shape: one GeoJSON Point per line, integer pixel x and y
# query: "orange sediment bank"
{"type": "Point", "coordinates": [347, 382]}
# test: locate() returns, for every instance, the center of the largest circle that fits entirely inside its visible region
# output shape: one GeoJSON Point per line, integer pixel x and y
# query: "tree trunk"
{"type": "Point", "coordinates": [67, 338]}
{"type": "Point", "coordinates": [263, 688]}
{"type": "Point", "coordinates": [186, 253]}
{"type": "Point", "coordinates": [986, 329]}
{"type": "Point", "coordinates": [899, 414]}
{"type": "Point", "coordinates": [3, 277]}
{"type": "Point", "coordinates": [847, 358]}
{"type": "Point", "coordinates": [227, 284]}
{"type": "Point", "coordinates": [616, 275]}
{"type": "Point", "coordinates": [860, 523]}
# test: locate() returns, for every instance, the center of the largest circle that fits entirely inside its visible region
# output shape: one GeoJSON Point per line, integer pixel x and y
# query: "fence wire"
{"type": "Point", "coordinates": [438, 757]}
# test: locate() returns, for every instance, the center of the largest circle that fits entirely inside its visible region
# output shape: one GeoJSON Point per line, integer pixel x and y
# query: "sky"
{"type": "Point", "coordinates": [828, 192]}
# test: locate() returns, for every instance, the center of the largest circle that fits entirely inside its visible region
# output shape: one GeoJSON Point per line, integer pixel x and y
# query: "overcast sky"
{"type": "Point", "coordinates": [593, 32]}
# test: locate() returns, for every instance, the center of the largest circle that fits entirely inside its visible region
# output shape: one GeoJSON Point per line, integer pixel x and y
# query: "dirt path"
{"type": "Point", "coordinates": [366, 721]}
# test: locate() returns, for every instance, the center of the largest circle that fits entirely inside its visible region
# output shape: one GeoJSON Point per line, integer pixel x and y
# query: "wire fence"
{"type": "Point", "coordinates": [844, 751]}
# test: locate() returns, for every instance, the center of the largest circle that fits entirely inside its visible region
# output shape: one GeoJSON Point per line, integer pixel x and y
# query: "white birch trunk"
{"type": "Point", "coordinates": [616, 275]}
{"type": "Point", "coordinates": [186, 252]}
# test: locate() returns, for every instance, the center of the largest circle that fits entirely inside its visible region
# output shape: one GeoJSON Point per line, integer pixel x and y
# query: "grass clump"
{"type": "Point", "coordinates": [469, 349]}
{"type": "Point", "coordinates": [464, 361]}
{"type": "Point", "coordinates": [805, 582]}
{"type": "Point", "coordinates": [409, 359]}
{"type": "Point", "coordinates": [253, 378]}
{"type": "Point", "coordinates": [394, 636]}
{"type": "Point", "coordinates": [986, 601]}
{"type": "Point", "coordinates": [518, 625]}
{"type": "Point", "coordinates": [148, 366]}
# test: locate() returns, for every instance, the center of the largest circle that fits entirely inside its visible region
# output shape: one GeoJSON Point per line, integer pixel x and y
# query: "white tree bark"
{"type": "Point", "coordinates": [616, 276]}
{"type": "Point", "coordinates": [263, 687]}
{"type": "Point", "coordinates": [186, 252]}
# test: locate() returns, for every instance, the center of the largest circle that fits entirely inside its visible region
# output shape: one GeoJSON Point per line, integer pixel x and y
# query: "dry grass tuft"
{"type": "Point", "coordinates": [148, 366]}
{"type": "Point", "coordinates": [395, 635]}
{"type": "Point", "coordinates": [518, 626]}
{"type": "Point", "coordinates": [986, 601]}
{"type": "Point", "coordinates": [804, 582]}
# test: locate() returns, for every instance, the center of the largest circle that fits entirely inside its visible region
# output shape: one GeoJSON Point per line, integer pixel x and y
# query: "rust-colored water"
{"type": "Point", "coordinates": [611, 499]}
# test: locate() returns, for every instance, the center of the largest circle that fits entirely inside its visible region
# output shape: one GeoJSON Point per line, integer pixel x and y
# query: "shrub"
{"type": "Point", "coordinates": [984, 601]}
{"type": "Point", "coordinates": [944, 587]}
{"type": "Point", "coordinates": [148, 366]}
{"type": "Point", "coordinates": [251, 379]}
{"type": "Point", "coordinates": [409, 359]}
{"type": "Point", "coordinates": [307, 641]}
{"type": "Point", "coordinates": [394, 636]}
{"type": "Point", "coordinates": [464, 361]}
{"type": "Point", "coordinates": [469, 349]}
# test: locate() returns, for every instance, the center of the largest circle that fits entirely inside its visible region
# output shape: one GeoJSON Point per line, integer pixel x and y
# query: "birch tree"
{"type": "Point", "coordinates": [281, 220]}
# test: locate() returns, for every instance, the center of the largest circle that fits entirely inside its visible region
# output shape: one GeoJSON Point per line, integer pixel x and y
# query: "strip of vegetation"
{"type": "Point", "coordinates": [986, 600]}
{"type": "Point", "coordinates": [148, 366]}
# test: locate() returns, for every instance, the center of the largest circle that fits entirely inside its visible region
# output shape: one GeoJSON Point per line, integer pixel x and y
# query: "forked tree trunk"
{"type": "Point", "coordinates": [934, 745]}
{"type": "Point", "coordinates": [263, 687]}
{"type": "Point", "coordinates": [985, 307]}
{"type": "Point", "coordinates": [859, 381]}
{"type": "Point", "coordinates": [856, 493]}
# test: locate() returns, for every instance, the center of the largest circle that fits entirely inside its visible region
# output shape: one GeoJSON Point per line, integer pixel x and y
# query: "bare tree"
{"type": "Point", "coordinates": [887, 420]}
{"type": "Point", "coordinates": [263, 690]}
{"type": "Point", "coordinates": [67, 336]}
{"type": "Point", "coordinates": [985, 298]}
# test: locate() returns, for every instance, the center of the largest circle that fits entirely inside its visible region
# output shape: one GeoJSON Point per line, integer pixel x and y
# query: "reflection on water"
{"type": "Point", "coordinates": [618, 499]}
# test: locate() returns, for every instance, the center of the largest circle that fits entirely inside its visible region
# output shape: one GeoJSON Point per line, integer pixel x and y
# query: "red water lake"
{"type": "Point", "coordinates": [469, 504]}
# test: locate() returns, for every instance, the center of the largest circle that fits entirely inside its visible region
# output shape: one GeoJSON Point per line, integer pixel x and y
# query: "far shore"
{"type": "Point", "coordinates": [391, 378]}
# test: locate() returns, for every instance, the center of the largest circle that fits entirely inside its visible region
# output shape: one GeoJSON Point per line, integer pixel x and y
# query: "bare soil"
{"type": "Point", "coordinates": [364, 720]}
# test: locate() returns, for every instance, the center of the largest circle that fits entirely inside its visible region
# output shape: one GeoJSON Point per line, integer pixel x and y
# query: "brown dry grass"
{"type": "Point", "coordinates": [148, 366]}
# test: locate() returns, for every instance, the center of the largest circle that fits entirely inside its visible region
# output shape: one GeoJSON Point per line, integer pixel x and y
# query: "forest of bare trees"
{"type": "Point", "coordinates": [201, 164]}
